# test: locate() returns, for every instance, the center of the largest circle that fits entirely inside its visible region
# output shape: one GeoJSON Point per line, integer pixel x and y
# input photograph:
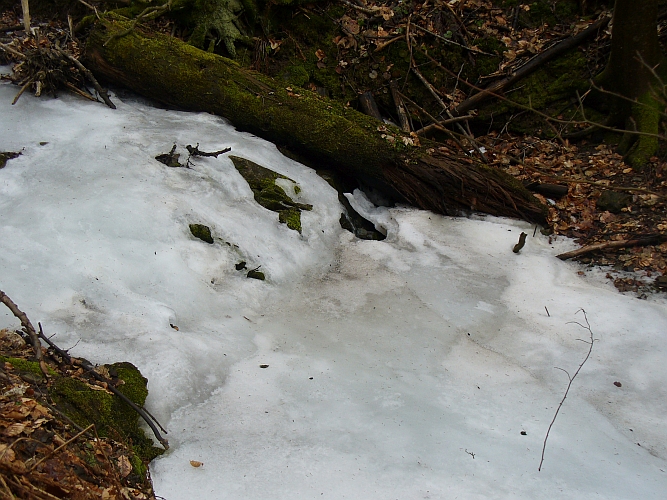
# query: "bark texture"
{"type": "Point", "coordinates": [631, 72]}
{"type": "Point", "coordinates": [326, 133]}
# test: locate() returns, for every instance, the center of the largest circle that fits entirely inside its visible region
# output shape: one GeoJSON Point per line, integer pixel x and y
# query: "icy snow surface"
{"type": "Point", "coordinates": [402, 369]}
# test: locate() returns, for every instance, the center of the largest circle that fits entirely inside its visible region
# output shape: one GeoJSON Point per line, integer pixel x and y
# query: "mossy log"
{"type": "Point", "coordinates": [324, 132]}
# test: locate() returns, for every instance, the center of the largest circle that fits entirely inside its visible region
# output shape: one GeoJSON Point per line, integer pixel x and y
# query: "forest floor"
{"type": "Point", "coordinates": [605, 201]}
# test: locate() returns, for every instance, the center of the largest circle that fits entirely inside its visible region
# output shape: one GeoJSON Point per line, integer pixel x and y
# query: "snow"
{"type": "Point", "coordinates": [404, 368]}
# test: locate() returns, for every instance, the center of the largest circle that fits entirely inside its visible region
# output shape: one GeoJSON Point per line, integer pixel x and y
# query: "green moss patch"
{"type": "Point", "coordinates": [112, 416]}
{"type": "Point", "coordinates": [270, 195]}
{"type": "Point", "coordinates": [25, 366]}
{"type": "Point", "coordinates": [202, 232]}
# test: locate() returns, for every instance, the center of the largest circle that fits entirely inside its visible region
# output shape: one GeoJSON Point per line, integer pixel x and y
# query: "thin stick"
{"type": "Point", "coordinates": [447, 40]}
{"type": "Point", "coordinates": [442, 123]}
{"type": "Point", "coordinates": [435, 120]}
{"type": "Point", "coordinates": [25, 322]}
{"type": "Point", "coordinates": [11, 495]}
{"type": "Point", "coordinates": [590, 349]}
{"type": "Point", "coordinates": [7, 48]}
{"type": "Point", "coordinates": [80, 92]}
{"type": "Point", "coordinates": [26, 16]}
{"type": "Point", "coordinates": [434, 93]}
{"type": "Point", "coordinates": [23, 89]}
{"type": "Point", "coordinates": [61, 447]}
{"type": "Point", "coordinates": [103, 93]}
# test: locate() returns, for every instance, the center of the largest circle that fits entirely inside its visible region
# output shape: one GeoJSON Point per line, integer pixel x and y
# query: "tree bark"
{"type": "Point", "coordinates": [631, 73]}
{"type": "Point", "coordinates": [326, 133]}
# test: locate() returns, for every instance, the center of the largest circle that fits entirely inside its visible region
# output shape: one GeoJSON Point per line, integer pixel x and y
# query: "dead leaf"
{"type": "Point", "coordinates": [195, 463]}
{"type": "Point", "coordinates": [124, 466]}
{"type": "Point", "coordinates": [14, 429]}
{"type": "Point", "coordinates": [274, 44]}
{"type": "Point", "coordinates": [350, 25]}
{"type": "Point", "coordinates": [386, 13]}
{"type": "Point", "coordinates": [6, 453]}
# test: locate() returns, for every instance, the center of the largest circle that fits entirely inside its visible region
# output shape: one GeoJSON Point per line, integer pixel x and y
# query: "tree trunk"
{"type": "Point", "coordinates": [326, 133]}
{"type": "Point", "coordinates": [631, 73]}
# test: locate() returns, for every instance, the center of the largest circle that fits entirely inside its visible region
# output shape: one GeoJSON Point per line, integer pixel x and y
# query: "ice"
{"type": "Point", "coordinates": [402, 368]}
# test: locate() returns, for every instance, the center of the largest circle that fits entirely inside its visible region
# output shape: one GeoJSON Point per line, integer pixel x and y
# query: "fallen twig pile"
{"type": "Point", "coordinates": [48, 63]}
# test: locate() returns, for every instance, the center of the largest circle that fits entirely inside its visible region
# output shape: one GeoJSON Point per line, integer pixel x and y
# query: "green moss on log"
{"type": "Point", "coordinates": [325, 132]}
{"type": "Point", "coordinates": [182, 75]}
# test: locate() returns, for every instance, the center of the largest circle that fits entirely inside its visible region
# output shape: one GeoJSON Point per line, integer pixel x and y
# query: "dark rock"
{"type": "Point", "coordinates": [612, 201]}
{"type": "Point", "coordinates": [6, 156]}
{"type": "Point", "coordinates": [255, 274]}
{"type": "Point", "coordinates": [661, 283]}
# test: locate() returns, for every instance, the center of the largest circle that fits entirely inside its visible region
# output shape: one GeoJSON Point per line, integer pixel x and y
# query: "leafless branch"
{"type": "Point", "coordinates": [587, 327]}
{"type": "Point", "coordinates": [27, 325]}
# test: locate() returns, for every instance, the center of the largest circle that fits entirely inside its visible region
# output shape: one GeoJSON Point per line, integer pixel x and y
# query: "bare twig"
{"type": "Point", "coordinates": [23, 89]}
{"type": "Point", "coordinates": [13, 52]}
{"type": "Point", "coordinates": [434, 93]}
{"type": "Point", "coordinates": [435, 121]}
{"type": "Point", "coordinates": [365, 10]}
{"type": "Point", "coordinates": [438, 124]}
{"type": "Point", "coordinates": [447, 40]}
{"type": "Point", "coordinates": [587, 327]}
{"type": "Point", "coordinates": [102, 92]}
{"type": "Point", "coordinates": [91, 7]}
{"type": "Point", "coordinates": [27, 326]}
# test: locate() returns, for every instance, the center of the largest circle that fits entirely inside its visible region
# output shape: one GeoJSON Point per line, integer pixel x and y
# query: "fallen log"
{"type": "Point", "coordinates": [652, 239]}
{"type": "Point", "coordinates": [326, 133]}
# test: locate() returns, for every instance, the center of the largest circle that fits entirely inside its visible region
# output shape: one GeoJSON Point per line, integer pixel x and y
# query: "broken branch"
{"type": "Point", "coordinates": [654, 239]}
{"type": "Point", "coordinates": [27, 326]}
{"type": "Point", "coordinates": [531, 66]}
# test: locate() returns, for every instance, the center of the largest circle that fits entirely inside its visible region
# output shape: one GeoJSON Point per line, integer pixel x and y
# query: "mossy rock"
{"type": "Point", "coordinates": [270, 195]}
{"type": "Point", "coordinates": [111, 415]}
{"type": "Point", "coordinates": [291, 217]}
{"type": "Point", "coordinates": [202, 232]}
